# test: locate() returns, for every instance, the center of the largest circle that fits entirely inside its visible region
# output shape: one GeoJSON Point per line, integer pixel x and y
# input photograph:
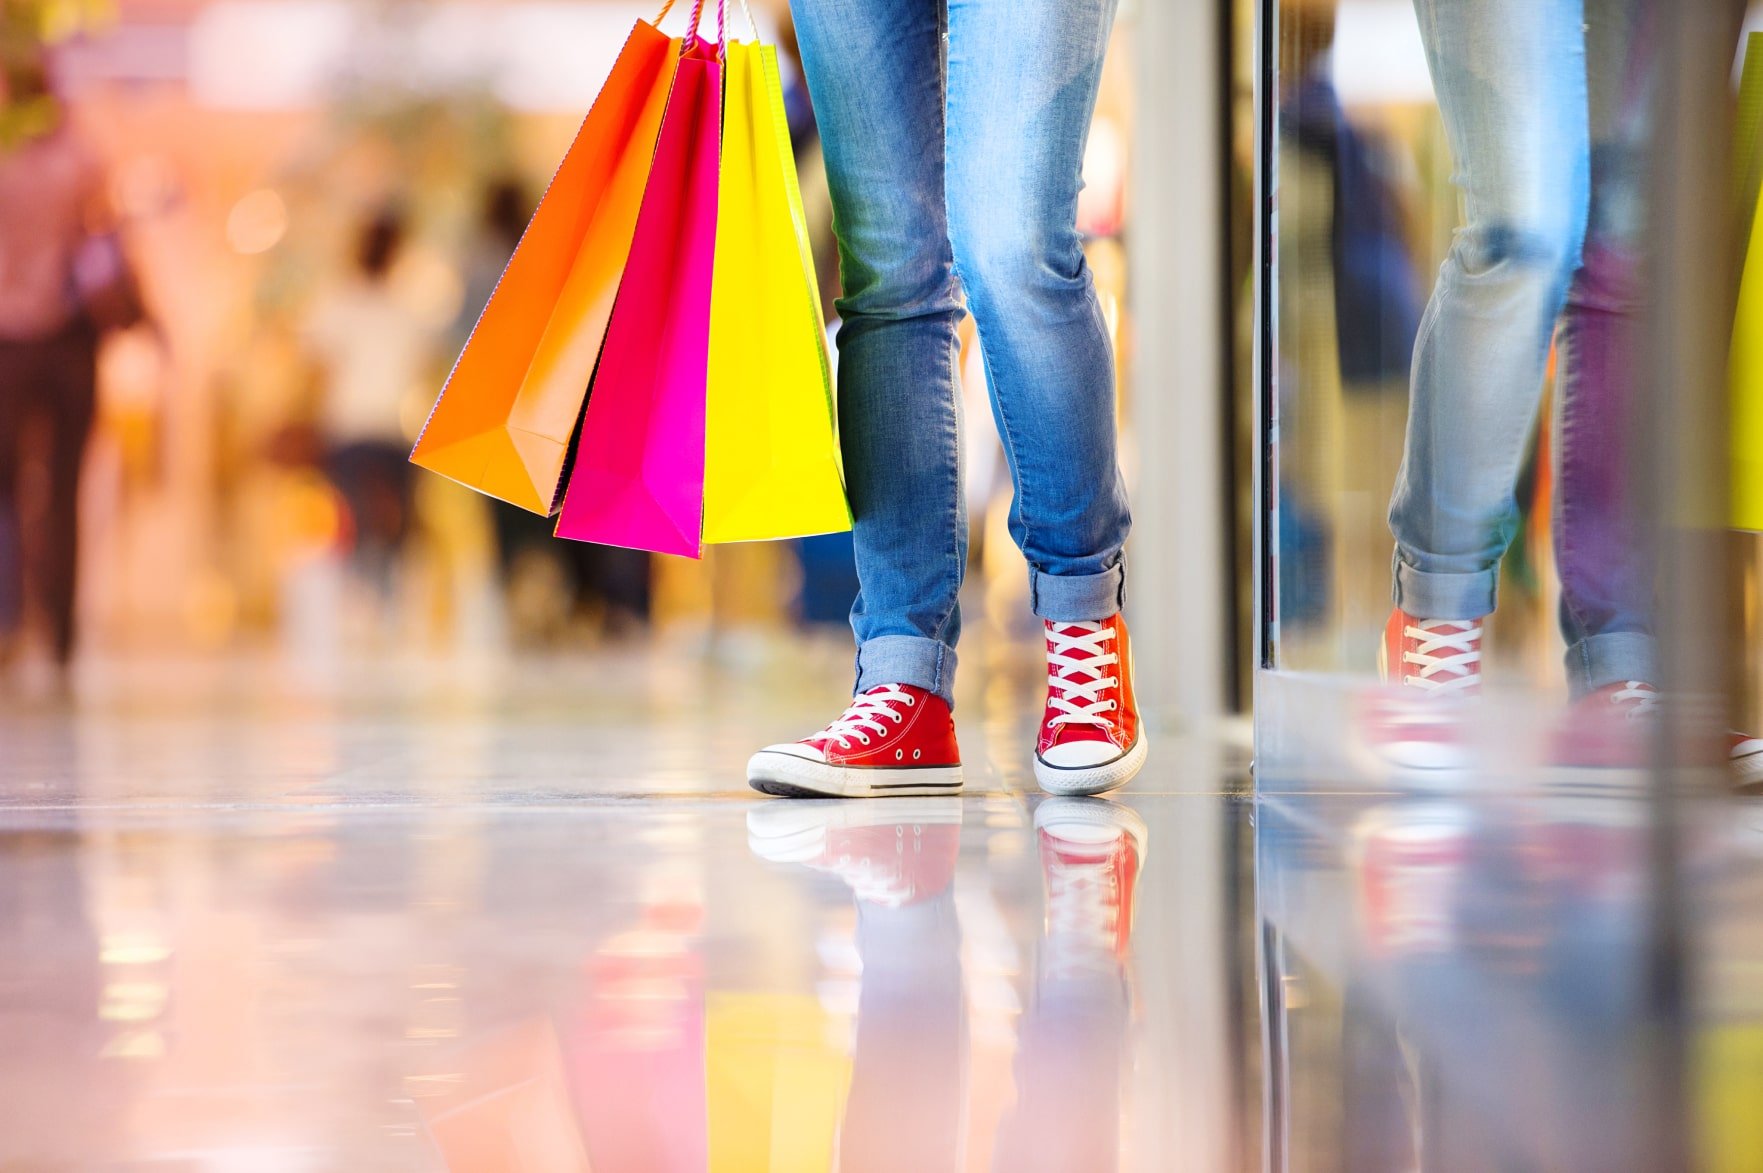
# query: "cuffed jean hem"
{"type": "Point", "coordinates": [1076, 598]}
{"type": "Point", "coordinates": [1437, 595]}
{"type": "Point", "coordinates": [907, 659]}
{"type": "Point", "coordinates": [1611, 658]}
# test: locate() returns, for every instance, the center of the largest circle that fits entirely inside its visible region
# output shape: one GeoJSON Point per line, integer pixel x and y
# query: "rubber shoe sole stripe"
{"type": "Point", "coordinates": [1092, 779]}
{"type": "Point", "coordinates": [788, 776]}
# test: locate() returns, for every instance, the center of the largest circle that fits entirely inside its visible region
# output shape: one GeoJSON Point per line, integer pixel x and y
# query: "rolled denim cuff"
{"type": "Point", "coordinates": [1075, 598]}
{"type": "Point", "coordinates": [907, 659]}
{"type": "Point", "coordinates": [1438, 595]}
{"type": "Point", "coordinates": [1611, 658]}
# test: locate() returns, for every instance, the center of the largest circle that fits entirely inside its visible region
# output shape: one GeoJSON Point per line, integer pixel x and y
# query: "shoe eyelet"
{"type": "Point", "coordinates": [899, 755]}
{"type": "Point", "coordinates": [916, 754]}
{"type": "Point", "coordinates": [864, 738]}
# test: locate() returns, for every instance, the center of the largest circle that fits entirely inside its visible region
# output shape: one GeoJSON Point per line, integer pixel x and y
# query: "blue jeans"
{"type": "Point", "coordinates": [1544, 106]}
{"type": "Point", "coordinates": [954, 133]}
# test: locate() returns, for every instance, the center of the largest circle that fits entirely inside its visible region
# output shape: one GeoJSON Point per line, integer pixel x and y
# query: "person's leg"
{"type": "Point", "coordinates": [1023, 76]}
{"type": "Point", "coordinates": [1510, 78]}
{"type": "Point", "coordinates": [1600, 551]}
{"type": "Point", "coordinates": [71, 385]}
{"type": "Point", "coordinates": [1022, 79]}
{"type": "Point", "coordinates": [875, 73]}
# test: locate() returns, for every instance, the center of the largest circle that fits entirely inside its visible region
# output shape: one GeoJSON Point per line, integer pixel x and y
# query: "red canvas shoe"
{"type": "Point", "coordinates": [895, 739]}
{"type": "Point", "coordinates": [889, 853]}
{"type": "Point", "coordinates": [1091, 854]}
{"type": "Point", "coordinates": [1090, 737]}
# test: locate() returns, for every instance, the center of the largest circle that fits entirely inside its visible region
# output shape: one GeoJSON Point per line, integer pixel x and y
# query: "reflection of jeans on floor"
{"type": "Point", "coordinates": [1543, 107]}
{"type": "Point", "coordinates": [954, 133]}
{"type": "Point", "coordinates": [909, 1074]}
{"type": "Point", "coordinates": [908, 1101]}
{"type": "Point", "coordinates": [1068, 1072]}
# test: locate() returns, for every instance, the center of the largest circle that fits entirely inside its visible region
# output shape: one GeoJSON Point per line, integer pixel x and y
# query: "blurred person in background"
{"type": "Point", "coordinates": [954, 137]}
{"type": "Point", "coordinates": [373, 348]}
{"type": "Point", "coordinates": [550, 585]}
{"type": "Point", "coordinates": [63, 279]}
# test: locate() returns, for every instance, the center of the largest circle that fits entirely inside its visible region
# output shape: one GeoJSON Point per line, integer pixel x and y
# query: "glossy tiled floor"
{"type": "Point", "coordinates": [527, 917]}
{"type": "Point", "coordinates": [406, 917]}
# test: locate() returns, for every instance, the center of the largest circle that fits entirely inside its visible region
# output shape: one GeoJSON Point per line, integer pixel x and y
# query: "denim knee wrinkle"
{"type": "Point", "coordinates": [954, 134]}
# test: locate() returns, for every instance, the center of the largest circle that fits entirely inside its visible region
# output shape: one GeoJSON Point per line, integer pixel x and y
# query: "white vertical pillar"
{"type": "Point", "coordinates": [1176, 561]}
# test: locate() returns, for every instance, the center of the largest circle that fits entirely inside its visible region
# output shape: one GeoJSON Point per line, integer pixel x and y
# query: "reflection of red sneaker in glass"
{"type": "Point", "coordinates": [891, 853]}
{"type": "Point", "coordinates": [1607, 727]}
{"type": "Point", "coordinates": [1436, 663]}
{"type": "Point", "coordinates": [895, 739]}
{"type": "Point", "coordinates": [1091, 853]}
{"type": "Point", "coordinates": [1090, 736]}
{"type": "Point", "coordinates": [1437, 656]}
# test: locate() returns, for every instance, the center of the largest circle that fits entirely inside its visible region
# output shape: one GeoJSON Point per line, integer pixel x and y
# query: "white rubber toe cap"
{"type": "Point", "coordinates": [795, 749]}
{"type": "Point", "coordinates": [1081, 755]}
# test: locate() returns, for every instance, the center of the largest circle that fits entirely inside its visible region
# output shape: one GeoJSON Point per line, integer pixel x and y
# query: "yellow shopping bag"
{"type": "Point", "coordinates": [1747, 332]}
{"type": "Point", "coordinates": [771, 459]}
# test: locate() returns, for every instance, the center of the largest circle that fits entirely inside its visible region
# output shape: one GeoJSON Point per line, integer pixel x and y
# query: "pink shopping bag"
{"type": "Point", "coordinates": [638, 478]}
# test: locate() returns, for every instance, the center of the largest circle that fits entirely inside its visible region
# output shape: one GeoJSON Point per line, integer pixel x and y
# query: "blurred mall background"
{"type": "Point", "coordinates": [349, 820]}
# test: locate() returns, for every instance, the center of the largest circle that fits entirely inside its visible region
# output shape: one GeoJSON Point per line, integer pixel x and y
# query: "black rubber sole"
{"type": "Point", "coordinates": [786, 789]}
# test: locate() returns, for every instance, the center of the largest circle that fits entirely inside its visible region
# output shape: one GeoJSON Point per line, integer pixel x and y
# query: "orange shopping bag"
{"type": "Point", "coordinates": [505, 418]}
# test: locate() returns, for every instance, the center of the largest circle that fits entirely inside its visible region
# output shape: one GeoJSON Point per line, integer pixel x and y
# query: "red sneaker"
{"type": "Point", "coordinates": [1409, 730]}
{"type": "Point", "coordinates": [895, 739]}
{"type": "Point", "coordinates": [889, 853]}
{"type": "Point", "coordinates": [1440, 656]}
{"type": "Point", "coordinates": [1606, 728]}
{"type": "Point", "coordinates": [1090, 737]}
{"type": "Point", "coordinates": [1091, 854]}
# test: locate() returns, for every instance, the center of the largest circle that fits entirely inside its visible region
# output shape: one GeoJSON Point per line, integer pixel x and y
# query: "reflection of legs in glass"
{"type": "Point", "coordinates": [1513, 103]}
{"type": "Point", "coordinates": [1067, 1113]}
{"type": "Point", "coordinates": [907, 1084]}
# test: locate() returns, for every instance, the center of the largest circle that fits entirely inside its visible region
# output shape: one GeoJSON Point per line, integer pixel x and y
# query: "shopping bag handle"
{"type": "Point", "coordinates": [691, 39]}
{"type": "Point", "coordinates": [721, 22]}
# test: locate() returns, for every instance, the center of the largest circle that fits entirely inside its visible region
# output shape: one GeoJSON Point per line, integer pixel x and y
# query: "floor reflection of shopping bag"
{"type": "Point", "coordinates": [771, 451]}
{"type": "Point", "coordinates": [505, 419]}
{"type": "Point", "coordinates": [638, 474]}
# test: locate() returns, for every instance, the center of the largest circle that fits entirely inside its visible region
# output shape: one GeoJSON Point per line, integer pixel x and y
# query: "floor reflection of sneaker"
{"type": "Point", "coordinates": [1090, 739]}
{"type": "Point", "coordinates": [889, 853]}
{"type": "Point", "coordinates": [1091, 854]}
{"type": "Point", "coordinates": [894, 740]}
{"type": "Point", "coordinates": [1436, 664]}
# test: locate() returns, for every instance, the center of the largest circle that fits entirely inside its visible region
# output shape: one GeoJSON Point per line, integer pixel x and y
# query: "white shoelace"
{"type": "Point", "coordinates": [1637, 699]}
{"type": "Point", "coordinates": [1081, 702]}
{"type": "Point", "coordinates": [867, 711]}
{"type": "Point", "coordinates": [1448, 656]}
